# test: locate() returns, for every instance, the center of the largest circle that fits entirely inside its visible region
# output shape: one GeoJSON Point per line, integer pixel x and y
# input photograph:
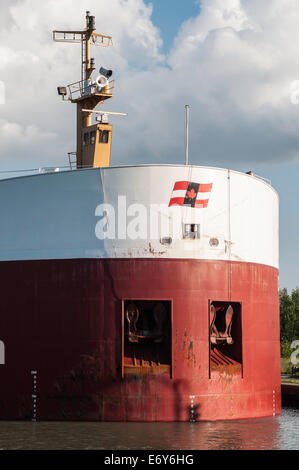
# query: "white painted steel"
{"type": "Point", "coordinates": [52, 216]}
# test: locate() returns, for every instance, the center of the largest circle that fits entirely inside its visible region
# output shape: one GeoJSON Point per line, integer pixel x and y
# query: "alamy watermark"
{"type": "Point", "coordinates": [137, 221]}
{"type": "Point", "coordinates": [2, 92]}
{"type": "Point", "coordinates": [295, 354]}
{"type": "Point", "coordinates": [294, 92]}
{"type": "Point", "coordinates": [2, 353]}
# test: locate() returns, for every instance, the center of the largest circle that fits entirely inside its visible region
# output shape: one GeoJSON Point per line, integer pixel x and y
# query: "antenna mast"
{"type": "Point", "coordinates": [87, 94]}
{"type": "Point", "coordinates": [187, 106]}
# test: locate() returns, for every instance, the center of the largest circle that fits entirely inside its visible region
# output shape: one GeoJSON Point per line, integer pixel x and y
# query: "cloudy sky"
{"type": "Point", "coordinates": [236, 62]}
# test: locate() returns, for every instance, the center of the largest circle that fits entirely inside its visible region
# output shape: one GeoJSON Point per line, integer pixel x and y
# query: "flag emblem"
{"type": "Point", "coordinates": [186, 193]}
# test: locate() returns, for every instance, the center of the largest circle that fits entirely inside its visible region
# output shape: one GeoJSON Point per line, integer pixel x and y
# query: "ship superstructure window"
{"type": "Point", "coordinates": [225, 337]}
{"type": "Point", "coordinates": [104, 137]}
{"type": "Point", "coordinates": [86, 138]}
{"type": "Point", "coordinates": [92, 137]}
{"type": "Point", "coordinates": [191, 231]}
{"type": "Point", "coordinates": [146, 337]}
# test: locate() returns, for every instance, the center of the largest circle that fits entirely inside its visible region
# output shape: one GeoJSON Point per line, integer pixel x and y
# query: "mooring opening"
{"type": "Point", "coordinates": [225, 337]}
{"type": "Point", "coordinates": [146, 336]}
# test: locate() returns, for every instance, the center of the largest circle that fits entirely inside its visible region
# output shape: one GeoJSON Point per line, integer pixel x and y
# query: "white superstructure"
{"type": "Point", "coordinates": [60, 215]}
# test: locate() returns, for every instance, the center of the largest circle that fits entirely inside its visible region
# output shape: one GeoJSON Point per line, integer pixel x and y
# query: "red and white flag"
{"type": "Point", "coordinates": [186, 193]}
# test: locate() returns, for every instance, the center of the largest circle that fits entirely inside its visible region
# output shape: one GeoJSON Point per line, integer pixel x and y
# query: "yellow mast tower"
{"type": "Point", "coordinates": [93, 141]}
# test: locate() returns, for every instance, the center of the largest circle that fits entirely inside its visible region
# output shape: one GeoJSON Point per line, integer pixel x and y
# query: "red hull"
{"type": "Point", "coordinates": [63, 318]}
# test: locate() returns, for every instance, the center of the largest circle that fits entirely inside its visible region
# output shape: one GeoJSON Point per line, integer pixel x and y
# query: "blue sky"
{"type": "Point", "coordinates": [168, 15]}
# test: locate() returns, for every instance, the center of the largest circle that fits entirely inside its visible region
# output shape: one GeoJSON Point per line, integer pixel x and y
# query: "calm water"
{"type": "Point", "coordinates": [280, 432]}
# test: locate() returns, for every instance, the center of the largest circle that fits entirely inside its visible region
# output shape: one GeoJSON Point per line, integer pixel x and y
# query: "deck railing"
{"type": "Point", "coordinates": [87, 87]}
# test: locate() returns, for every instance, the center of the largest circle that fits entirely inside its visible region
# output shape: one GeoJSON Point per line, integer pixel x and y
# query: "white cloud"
{"type": "Point", "coordinates": [32, 65]}
{"type": "Point", "coordinates": [233, 63]}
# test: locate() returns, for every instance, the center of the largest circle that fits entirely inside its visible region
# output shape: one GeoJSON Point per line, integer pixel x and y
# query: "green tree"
{"type": "Point", "coordinates": [287, 314]}
{"type": "Point", "coordinates": [295, 299]}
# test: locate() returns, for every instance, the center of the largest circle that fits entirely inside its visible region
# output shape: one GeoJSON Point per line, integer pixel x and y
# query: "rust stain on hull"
{"type": "Point", "coordinates": [76, 305]}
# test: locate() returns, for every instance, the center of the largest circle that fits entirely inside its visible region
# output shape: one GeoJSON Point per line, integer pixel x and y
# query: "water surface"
{"type": "Point", "coordinates": [279, 432]}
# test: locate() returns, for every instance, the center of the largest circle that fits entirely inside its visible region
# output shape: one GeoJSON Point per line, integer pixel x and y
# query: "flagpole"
{"type": "Point", "coordinates": [187, 106]}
